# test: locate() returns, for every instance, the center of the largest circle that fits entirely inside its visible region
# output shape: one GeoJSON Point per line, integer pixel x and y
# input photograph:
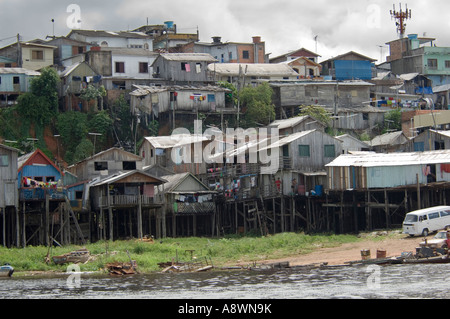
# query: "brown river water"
{"type": "Point", "coordinates": [425, 281]}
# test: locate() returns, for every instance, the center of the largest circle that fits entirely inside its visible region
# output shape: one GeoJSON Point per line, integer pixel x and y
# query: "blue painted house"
{"type": "Point", "coordinates": [349, 66]}
{"type": "Point", "coordinates": [13, 82]}
{"type": "Point", "coordinates": [38, 176]}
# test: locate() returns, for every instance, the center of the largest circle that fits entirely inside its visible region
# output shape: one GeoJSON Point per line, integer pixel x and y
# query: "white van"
{"type": "Point", "coordinates": [425, 221]}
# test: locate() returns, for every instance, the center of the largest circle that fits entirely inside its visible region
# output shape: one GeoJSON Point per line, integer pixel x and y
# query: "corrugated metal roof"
{"type": "Point", "coordinates": [101, 33]}
{"type": "Point", "coordinates": [19, 71]}
{"type": "Point", "coordinates": [142, 90]}
{"type": "Point", "coordinates": [441, 88]}
{"type": "Point", "coordinates": [287, 139]}
{"type": "Point", "coordinates": [445, 133]}
{"type": "Point", "coordinates": [408, 76]}
{"type": "Point", "coordinates": [370, 159]}
{"type": "Point", "coordinates": [252, 69]}
{"type": "Point", "coordinates": [121, 175]}
{"type": "Point", "coordinates": [176, 179]}
{"type": "Point", "coordinates": [175, 140]}
{"type": "Point", "coordinates": [286, 123]}
{"type": "Point", "coordinates": [188, 57]}
{"type": "Point", "coordinates": [387, 139]}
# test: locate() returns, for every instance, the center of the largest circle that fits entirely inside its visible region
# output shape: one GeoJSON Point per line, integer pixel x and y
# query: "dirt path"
{"type": "Point", "coordinates": [352, 251]}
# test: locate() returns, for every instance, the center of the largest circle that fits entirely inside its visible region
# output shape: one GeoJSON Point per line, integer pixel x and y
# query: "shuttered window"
{"type": "Point", "coordinates": [303, 151]}
{"type": "Point", "coordinates": [329, 151]}
{"type": "Point", "coordinates": [4, 160]}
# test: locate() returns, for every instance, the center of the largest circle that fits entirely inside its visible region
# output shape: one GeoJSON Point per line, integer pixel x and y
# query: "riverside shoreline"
{"type": "Point", "coordinates": [322, 249]}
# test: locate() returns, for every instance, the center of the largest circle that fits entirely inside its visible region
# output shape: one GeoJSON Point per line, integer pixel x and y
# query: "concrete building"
{"type": "Point", "coordinates": [240, 73]}
{"type": "Point", "coordinates": [115, 39]}
{"type": "Point", "coordinates": [28, 55]}
{"type": "Point", "coordinates": [183, 68]}
{"type": "Point", "coordinates": [419, 55]}
{"type": "Point", "coordinates": [292, 55]}
{"type": "Point", "coordinates": [230, 52]}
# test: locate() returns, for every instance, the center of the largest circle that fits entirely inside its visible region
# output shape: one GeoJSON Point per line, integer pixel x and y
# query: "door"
{"type": "Point", "coordinates": [10, 194]}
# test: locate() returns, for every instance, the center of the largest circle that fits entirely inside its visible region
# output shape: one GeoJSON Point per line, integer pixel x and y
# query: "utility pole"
{"type": "Point", "coordinates": [401, 16]}
{"type": "Point", "coordinates": [19, 53]}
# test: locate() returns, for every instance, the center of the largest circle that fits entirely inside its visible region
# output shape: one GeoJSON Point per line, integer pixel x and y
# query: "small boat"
{"type": "Point", "coordinates": [77, 256]}
{"type": "Point", "coordinates": [6, 270]}
{"type": "Point", "coordinates": [428, 260]}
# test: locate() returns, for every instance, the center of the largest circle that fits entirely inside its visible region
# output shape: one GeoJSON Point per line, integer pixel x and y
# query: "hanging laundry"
{"type": "Point", "coordinates": [187, 66]}
{"type": "Point", "coordinates": [445, 168]}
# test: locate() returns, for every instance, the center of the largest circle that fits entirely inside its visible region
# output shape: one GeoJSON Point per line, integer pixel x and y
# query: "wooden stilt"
{"type": "Point", "coordinates": [341, 215]}
{"type": "Point", "coordinates": [139, 217]}
{"type": "Point", "coordinates": [111, 223]}
{"type": "Point", "coordinates": [47, 219]}
{"type": "Point", "coordinates": [386, 209]}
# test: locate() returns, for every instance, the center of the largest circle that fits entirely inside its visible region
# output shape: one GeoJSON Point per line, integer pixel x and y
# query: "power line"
{"type": "Point", "coordinates": [15, 36]}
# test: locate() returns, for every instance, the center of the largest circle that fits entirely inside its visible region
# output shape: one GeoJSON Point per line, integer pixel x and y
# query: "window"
{"type": "Point", "coordinates": [419, 146]}
{"type": "Point", "coordinates": [447, 64]}
{"type": "Point", "coordinates": [432, 64]}
{"type": "Point", "coordinates": [230, 55]}
{"type": "Point", "coordinates": [16, 80]}
{"type": "Point", "coordinates": [434, 215]}
{"type": "Point", "coordinates": [303, 151]}
{"type": "Point", "coordinates": [37, 55]}
{"type": "Point", "coordinates": [0, 80]}
{"type": "Point", "coordinates": [143, 67]}
{"type": "Point", "coordinates": [80, 50]}
{"type": "Point", "coordinates": [119, 85]}
{"type": "Point", "coordinates": [78, 194]}
{"type": "Point", "coordinates": [100, 166]}
{"type": "Point", "coordinates": [4, 160]}
{"type": "Point", "coordinates": [128, 165]}
{"type": "Point", "coordinates": [50, 178]}
{"type": "Point", "coordinates": [439, 145]}
{"type": "Point", "coordinates": [183, 66]}
{"type": "Point", "coordinates": [365, 116]}
{"type": "Point", "coordinates": [120, 67]}
{"type": "Point", "coordinates": [245, 54]}
{"type": "Point", "coordinates": [445, 213]}
{"type": "Point", "coordinates": [198, 67]}
{"type": "Point", "coordinates": [329, 151]}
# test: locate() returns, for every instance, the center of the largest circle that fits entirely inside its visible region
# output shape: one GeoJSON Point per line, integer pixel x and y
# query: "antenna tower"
{"type": "Point", "coordinates": [401, 16]}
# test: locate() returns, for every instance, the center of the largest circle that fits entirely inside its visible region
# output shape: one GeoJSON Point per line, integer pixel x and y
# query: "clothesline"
{"type": "Point", "coordinates": [34, 183]}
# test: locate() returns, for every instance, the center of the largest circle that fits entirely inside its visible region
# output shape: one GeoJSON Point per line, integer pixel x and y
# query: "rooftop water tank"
{"type": "Point", "coordinates": [168, 24]}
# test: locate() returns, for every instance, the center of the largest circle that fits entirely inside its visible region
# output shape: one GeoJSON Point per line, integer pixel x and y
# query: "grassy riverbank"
{"type": "Point", "coordinates": [224, 251]}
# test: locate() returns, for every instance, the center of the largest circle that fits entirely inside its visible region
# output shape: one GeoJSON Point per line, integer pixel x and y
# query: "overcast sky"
{"type": "Point", "coordinates": [341, 26]}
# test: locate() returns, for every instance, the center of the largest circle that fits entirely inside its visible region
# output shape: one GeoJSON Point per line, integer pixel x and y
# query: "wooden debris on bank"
{"type": "Point", "coordinates": [195, 265]}
{"type": "Point", "coordinates": [120, 268]}
{"type": "Point", "coordinates": [74, 257]}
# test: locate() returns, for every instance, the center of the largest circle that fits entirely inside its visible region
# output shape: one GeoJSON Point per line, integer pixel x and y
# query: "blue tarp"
{"type": "Point", "coordinates": [352, 69]}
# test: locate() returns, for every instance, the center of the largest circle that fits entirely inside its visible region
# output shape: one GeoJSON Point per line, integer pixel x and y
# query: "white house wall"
{"type": "Point", "coordinates": [131, 64]}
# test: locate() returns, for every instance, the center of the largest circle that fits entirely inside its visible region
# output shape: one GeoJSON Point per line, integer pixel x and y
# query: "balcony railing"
{"type": "Point", "coordinates": [125, 200]}
{"type": "Point", "coordinates": [38, 193]}
{"type": "Point", "coordinates": [194, 208]}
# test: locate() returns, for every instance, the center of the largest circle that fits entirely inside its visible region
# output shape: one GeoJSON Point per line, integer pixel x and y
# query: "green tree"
{"type": "Point", "coordinates": [256, 102]}
{"type": "Point", "coordinates": [122, 118]}
{"type": "Point", "coordinates": [230, 97]}
{"type": "Point", "coordinates": [41, 103]}
{"type": "Point", "coordinates": [83, 150]}
{"type": "Point", "coordinates": [92, 93]}
{"type": "Point", "coordinates": [73, 128]}
{"type": "Point", "coordinates": [100, 123]}
{"type": "Point", "coordinates": [392, 121]}
{"type": "Point", "coordinates": [317, 112]}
